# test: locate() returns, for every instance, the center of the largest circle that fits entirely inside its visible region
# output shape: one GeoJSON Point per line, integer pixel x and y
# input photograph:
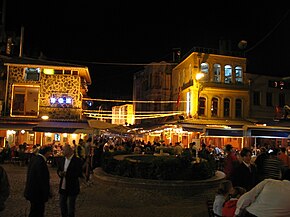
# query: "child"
{"type": "Point", "coordinates": [223, 191]}
{"type": "Point", "coordinates": [230, 204]}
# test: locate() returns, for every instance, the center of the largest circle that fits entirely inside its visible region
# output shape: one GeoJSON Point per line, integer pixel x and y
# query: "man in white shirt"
{"type": "Point", "coordinates": [269, 198]}
{"type": "Point", "coordinates": [69, 171]}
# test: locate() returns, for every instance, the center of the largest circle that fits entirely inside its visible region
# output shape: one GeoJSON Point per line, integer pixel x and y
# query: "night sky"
{"type": "Point", "coordinates": [114, 38]}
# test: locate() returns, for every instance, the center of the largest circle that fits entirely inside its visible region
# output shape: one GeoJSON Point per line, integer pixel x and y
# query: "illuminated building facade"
{"type": "Point", "coordinates": [34, 89]}
{"type": "Point", "coordinates": [219, 102]}
{"type": "Point", "coordinates": [123, 115]}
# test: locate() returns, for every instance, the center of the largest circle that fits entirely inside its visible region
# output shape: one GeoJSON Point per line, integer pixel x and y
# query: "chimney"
{"type": "Point", "coordinates": [176, 55]}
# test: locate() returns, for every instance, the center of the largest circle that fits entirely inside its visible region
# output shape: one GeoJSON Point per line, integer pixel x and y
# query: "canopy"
{"type": "Point", "coordinates": [60, 127]}
{"type": "Point", "coordinates": [102, 125]}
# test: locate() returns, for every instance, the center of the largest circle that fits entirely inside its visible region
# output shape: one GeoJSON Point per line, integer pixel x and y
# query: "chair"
{"type": "Point", "coordinates": [209, 204]}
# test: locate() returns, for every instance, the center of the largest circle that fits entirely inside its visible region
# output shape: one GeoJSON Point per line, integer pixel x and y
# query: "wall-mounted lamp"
{"type": "Point", "coordinates": [44, 117]}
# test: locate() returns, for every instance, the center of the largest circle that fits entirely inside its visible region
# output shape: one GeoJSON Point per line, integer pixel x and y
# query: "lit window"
{"type": "Point", "coordinates": [239, 75]}
{"type": "Point", "coordinates": [228, 74]}
{"type": "Point", "coordinates": [204, 68]}
{"type": "Point", "coordinates": [217, 73]}
{"type": "Point", "coordinates": [32, 74]}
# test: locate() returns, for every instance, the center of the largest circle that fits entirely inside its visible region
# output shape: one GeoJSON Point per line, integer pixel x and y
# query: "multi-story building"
{"type": "Point", "coordinates": [213, 93]}
{"type": "Point", "coordinates": [152, 85]}
{"type": "Point", "coordinates": [123, 115]}
{"type": "Point", "coordinates": [32, 89]}
{"type": "Point", "coordinates": [269, 97]}
{"type": "Point", "coordinates": [221, 103]}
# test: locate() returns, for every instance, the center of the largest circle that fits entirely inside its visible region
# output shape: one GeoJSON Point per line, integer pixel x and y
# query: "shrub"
{"type": "Point", "coordinates": [158, 168]}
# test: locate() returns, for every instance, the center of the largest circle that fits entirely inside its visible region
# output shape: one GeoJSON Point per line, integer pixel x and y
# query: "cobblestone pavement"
{"type": "Point", "coordinates": [100, 200]}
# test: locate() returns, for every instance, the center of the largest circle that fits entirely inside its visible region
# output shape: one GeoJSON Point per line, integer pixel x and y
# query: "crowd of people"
{"type": "Point", "coordinates": [254, 186]}
{"type": "Point", "coordinates": [251, 182]}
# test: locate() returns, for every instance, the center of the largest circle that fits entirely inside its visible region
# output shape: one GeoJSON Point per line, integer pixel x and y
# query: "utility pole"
{"type": "Point", "coordinates": [21, 42]}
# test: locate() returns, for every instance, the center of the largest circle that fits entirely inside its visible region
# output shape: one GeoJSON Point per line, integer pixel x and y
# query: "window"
{"type": "Point", "coordinates": [238, 108]}
{"type": "Point", "coordinates": [57, 137]}
{"type": "Point", "coordinates": [58, 72]}
{"type": "Point", "coordinates": [25, 101]}
{"type": "Point", "coordinates": [188, 103]}
{"type": "Point", "coordinates": [217, 73]}
{"type": "Point", "coordinates": [156, 82]}
{"type": "Point", "coordinates": [281, 99]}
{"type": "Point", "coordinates": [228, 74]}
{"type": "Point", "coordinates": [226, 107]}
{"type": "Point", "coordinates": [32, 74]}
{"type": "Point", "coordinates": [256, 98]}
{"type": "Point", "coordinates": [204, 67]}
{"type": "Point", "coordinates": [214, 107]}
{"type": "Point", "coordinates": [201, 107]}
{"type": "Point", "coordinates": [239, 75]}
{"type": "Point", "coordinates": [269, 97]}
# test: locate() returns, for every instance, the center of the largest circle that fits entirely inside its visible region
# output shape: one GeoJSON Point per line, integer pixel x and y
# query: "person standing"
{"type": "Point", "coordinates": [245, 174]}
{"type": "Point", "coordinates": [69, 171]}
{"type": "Point", "coordinates": [37, 188]}
{"type": "Point", "coordinates": [230, 161]}
{"type": "Point", "coordinates": [4, 188]}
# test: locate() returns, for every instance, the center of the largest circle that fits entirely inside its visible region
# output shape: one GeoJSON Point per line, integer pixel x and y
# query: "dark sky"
{"type": "Point", "coordinates": [102, 34]}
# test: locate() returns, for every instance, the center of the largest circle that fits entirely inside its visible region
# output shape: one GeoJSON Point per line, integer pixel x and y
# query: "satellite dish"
{"type": "Point", "coordinates": [242, 44]}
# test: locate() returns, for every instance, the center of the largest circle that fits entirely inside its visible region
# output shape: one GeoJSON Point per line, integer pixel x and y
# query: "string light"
{"type": "Point", "coordinates": [132, 101]}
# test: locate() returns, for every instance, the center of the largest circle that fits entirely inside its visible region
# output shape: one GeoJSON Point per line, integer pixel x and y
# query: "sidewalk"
{"type": "Point", "coordinates": [100, 200]}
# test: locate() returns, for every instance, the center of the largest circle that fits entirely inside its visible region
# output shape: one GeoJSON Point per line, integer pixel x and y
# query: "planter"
{"type": "Point", "coordinates": [200, 188]}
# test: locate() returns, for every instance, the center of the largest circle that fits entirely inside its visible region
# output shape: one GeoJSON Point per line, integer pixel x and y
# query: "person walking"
{"type": "Point", "coordinates": [37, 188]}
{"type": "Point", "coordinates": [69, 171]}
{"type": "Point", "coordinates": [4, 188]}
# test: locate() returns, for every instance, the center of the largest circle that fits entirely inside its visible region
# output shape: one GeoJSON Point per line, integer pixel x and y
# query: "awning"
{"type": "Point", "coordinates": [269, 133]}
{"type": "Point", "coordinates": [17, 126]}
{"type": "Point", "coordinates": [192, 127]}
{"type": "Point", "coordinates": [60, 127]}
{"type": "Point", "coordinates": [120, 129]}
{"type": "Point", "coordinates": [97, 124]}
{"type": "Point", "coordinates": [224, 132]}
